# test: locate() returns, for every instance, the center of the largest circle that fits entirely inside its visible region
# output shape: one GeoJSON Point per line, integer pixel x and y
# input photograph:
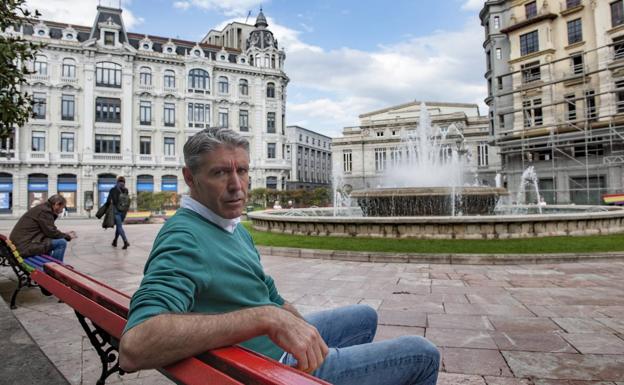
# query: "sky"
{"type": "Point", "coordinates": [343, 57]}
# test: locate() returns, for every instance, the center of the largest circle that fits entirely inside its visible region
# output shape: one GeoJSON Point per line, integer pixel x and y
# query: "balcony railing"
{"type": "Point", "coordinates": [109, 157]}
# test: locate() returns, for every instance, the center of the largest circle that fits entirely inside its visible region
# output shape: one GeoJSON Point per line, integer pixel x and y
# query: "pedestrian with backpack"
{"type": "Point", "coordinates": [120, 200]}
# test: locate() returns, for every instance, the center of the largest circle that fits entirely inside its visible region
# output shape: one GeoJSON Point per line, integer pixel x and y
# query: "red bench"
{"type": "Point", "coordinates": [107, 310]}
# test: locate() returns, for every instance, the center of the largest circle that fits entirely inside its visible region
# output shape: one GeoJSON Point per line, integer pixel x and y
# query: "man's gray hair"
{"type": "Point", "coordinates": [56, 199]}
{"type": "Point", "coordinates": [207, 141]}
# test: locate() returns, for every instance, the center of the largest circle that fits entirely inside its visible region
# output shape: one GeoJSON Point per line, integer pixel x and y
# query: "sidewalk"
{"type": "Point", "coordinates": [555, 324]}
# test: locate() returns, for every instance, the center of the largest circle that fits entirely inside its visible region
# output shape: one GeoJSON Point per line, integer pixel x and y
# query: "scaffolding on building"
{"type": "Point", "coordinates": [568, 122]}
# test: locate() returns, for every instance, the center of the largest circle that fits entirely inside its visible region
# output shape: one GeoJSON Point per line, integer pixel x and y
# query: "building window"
{"type": "Point", "coordinates": [575, 31]}
{"type": "Point", "coordinates": [531, 9]}
{"type": "Point", "coordinates": [482, 154]}
{"type": "Point", "coordinates": [570, 105]}
{"type": "Point", "coordinates": [145, 76]}
{"type": "Point", "coordinates": [577, 64]}
{"type": "Point", "coordinates": [198, 114]}
{"type": "Point", "coordinates": [108, 110]}
{"type": "Point", "coordinates": [145, 145]}
{"type": "Point", "coordinates": [243, 87]}
{"type": "Point", "coordinates": [67, 142]}
{"type": "Point", "coordinates": [271, 151]}
{"type": "Point", "coordinates": [270, 91]}
{"type": "Point", "coordinates": [169, 147]}
{"type": "Point", "coordinates": [378, 133]}
{"type": "Point", "coordinates": [501, 122]}
{"type": "Point", "coordinates": [587, 190]}
{"type": "Point", "coordinates": [572, 3]}
{"type": "Point", "coordinates": [38, 141]}
{"type": "Point", "coordinates": [198, 80]}
{"type": "Point", "coordinates": [169, 114]}
{"type": "Point", "coordinates": [617, 13]}
{"type": "Point", "coordinates": [107, 144]}
{"type": "Point", "coordinates": [67, 107]}
{"type": "Point", "coordinates": [40, 65]}
{"type": "Point", "coordinates": [108, 74]}
{"type": "Point", "coordinates": [39, 105]}
{"type": "Point", "coordinates": [618, 47]}
{"type": "Point", "coordinates": [533, 115]}
{"type": "Point", "coordinates": [224, 86]}
{"type": "Point", "coordinates": [590, 105]}
{"type": "Point", "coordinates": [619, 96]}
{"type": "Point", "coordinates": [271, 182]}
{"type": "Point", "coordinates": [109, 38]}
{"type": "Point", "coordinates": [499, 54]}
{"type": "Point", "coordinates": [531, 72]}
{"type": "Point", "coordinates": [145, 113]}
{"type": "Point", "coordinates": [169, 79]}
{"type": "Point", "coordinates": [243, 120]}
{"type": "Point", "coordinates": [68, 70]}
{"type": "Point", "coordinates": [380, 159]}
{"type": "Point", "coordinates": [271, 122]}
{"type": "Point", "coordinates": [223, 118]}
{"type": "Point", "coordinates": [496, 22]}
{"type": "Point", "coordinates": [529, 43]}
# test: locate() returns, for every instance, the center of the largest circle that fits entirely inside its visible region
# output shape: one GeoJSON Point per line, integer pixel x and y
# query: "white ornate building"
{"type": "Point", "coordinates": [110, 102]}
{"type": "Point", "coordinates": [365, 152]}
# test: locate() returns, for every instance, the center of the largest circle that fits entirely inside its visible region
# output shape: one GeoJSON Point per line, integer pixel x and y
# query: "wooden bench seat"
{"type": "Point", "coordinates": [107, 310]}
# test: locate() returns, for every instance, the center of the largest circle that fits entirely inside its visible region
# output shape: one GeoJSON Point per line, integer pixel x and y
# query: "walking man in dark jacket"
{"type": "Point", "coordinates": [35, 233]}
{"type": "Point", "coordinates": [118, 197]}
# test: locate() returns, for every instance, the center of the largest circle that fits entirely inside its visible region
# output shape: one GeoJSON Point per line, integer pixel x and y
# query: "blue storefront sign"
{"type": "Point", "coordinates": [6, 187]}
{"type": "Point", "coordinates": [67, 186]}
{"type": "Point", "coordinates": [149, 187]}
{"type": "Point", "coordinates": [104, 186]}
{"type": "Point", "coordinates": [170, 186]}
{"type": "Point", "coordinates": [37, 187]}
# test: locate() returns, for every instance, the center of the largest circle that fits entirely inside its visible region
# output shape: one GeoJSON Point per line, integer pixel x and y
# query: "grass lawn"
{"type": "Point", "coordinates": [505, 246]}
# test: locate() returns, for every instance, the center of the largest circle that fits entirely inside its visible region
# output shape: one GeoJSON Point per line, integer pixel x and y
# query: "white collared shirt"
{"type": "Point", "coordinates": [228, 225]}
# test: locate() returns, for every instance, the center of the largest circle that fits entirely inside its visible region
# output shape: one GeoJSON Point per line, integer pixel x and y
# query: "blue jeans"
{"type": "Point", "coordinates": [58, 249]}
{"type": "Point", "coordinates": [119, 218]}
{"type": "Point", "coordinates": [355, 360]}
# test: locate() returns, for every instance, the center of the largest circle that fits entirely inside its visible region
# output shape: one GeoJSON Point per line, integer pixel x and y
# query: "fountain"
{"type": "Point", "coordinates": [424, 196]}
{"type": "Point", "coordinates": [426, 177]}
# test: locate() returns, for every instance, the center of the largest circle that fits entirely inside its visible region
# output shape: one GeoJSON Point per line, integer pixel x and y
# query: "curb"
{"type": "Point", "coordinates": [448, 259]}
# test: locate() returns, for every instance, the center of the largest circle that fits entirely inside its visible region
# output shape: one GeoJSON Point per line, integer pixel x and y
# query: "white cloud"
{"type": "Point", "coordinates": [347, 82]}
{"type": "Point", "coordinates": [227, 7]}
{"type": "Point", "coordinates": [473, 5]}
{"type": "Point", "coordinates": [79, 12]}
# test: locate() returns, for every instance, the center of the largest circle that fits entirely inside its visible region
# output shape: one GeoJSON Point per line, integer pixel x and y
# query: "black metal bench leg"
{"type": "Point", "coordinates": [103, 344]}
{"type": "Point", "coordinates": [22, 281]}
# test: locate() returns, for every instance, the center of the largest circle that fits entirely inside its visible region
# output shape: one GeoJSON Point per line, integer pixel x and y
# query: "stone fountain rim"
{"type": "Point", "coordinates": [428, 191]}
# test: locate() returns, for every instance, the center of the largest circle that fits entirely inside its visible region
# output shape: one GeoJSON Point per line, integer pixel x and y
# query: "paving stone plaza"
{"type": "Point", "coordinates": [556, 324]}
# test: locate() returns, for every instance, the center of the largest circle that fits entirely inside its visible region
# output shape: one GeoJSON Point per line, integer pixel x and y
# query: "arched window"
{"type": "Point", "coordinates": [272, 61]}
{"type": "Point", "coordinates": [198, 79]}
{"type": "Point", "coordinates": [69, 68]}
{"type": "Point", "coordinates": [67, 186]}
{"type": "Point", "coordinates": [169, 79]}
{"type": "Point", "coordinates": [40, 65]}
{"type": "Point", "coordinates": [251, 60]}
{"type": "Point", "coordinates": [270, 93]}
{"type": "Point", "coordinates": [6, 192]}
{"type": "Point", "coordinates": [145, 76]}
{"type": "Point", "coordinates": [224, 87]}
{"type": "Point", "coordinates": [145, 183]}
{"type": "Point", "coordinates": [243, 87]}
{"type": "Point", "coordinates": [108, 74]}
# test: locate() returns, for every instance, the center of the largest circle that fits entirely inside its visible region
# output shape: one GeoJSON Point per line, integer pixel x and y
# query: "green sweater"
{"type": "Point", "coordinates": [197, 267]}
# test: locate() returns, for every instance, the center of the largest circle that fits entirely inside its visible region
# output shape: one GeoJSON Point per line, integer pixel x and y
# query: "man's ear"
{"type": "Point", "coordinates": [188, 177]}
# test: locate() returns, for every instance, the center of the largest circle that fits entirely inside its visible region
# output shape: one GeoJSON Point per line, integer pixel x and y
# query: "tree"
{"type": "Point", "coordinates": [15, 53]}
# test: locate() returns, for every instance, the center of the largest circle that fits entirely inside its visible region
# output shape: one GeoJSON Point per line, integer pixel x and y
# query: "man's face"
{"type": "Point", "coordinates": [221, 182]}
{"type": "Point", "coordinates": [58, 208]}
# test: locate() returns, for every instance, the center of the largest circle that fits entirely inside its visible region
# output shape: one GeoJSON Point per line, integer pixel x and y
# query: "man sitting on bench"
{"type": "Point", "coordinates": [204, 287]}
{"type": "Point", "coordinates": [35, 233]}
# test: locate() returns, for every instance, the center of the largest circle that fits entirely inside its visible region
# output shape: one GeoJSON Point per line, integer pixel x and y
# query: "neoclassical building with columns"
{"type": "Point", "coordinates": [109, 102]}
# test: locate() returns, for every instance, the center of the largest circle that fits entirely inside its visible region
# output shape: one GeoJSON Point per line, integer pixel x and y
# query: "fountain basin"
{"type": "Point", "coordinates": [582, 220]}
{"type": "Point", "coordinates": [428, 201]}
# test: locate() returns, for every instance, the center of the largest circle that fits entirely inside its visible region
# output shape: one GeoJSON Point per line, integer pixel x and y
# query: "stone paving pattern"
{"type": "Point", "coordinates": [555, 324]}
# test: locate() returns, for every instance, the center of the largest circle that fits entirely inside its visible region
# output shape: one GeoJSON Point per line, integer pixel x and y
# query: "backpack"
{"type": "Point", "coordinates": [123, 203]}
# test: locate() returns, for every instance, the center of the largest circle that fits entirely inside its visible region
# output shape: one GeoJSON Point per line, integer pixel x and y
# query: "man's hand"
{"type": "Point", "coordinates": [72, 234]}
{"type": "Point", "coordinates": [298, 338]}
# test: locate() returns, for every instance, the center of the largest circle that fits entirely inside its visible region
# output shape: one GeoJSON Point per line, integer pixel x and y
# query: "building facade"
{"type": "Point", "coordinates": [311, 159]}
{"type": "Point", "coordinates": [109, 102]}
{"type": "Point", "coordinates": [364, 152]}
{"type": "Point", "coordinates": [555, 73]}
